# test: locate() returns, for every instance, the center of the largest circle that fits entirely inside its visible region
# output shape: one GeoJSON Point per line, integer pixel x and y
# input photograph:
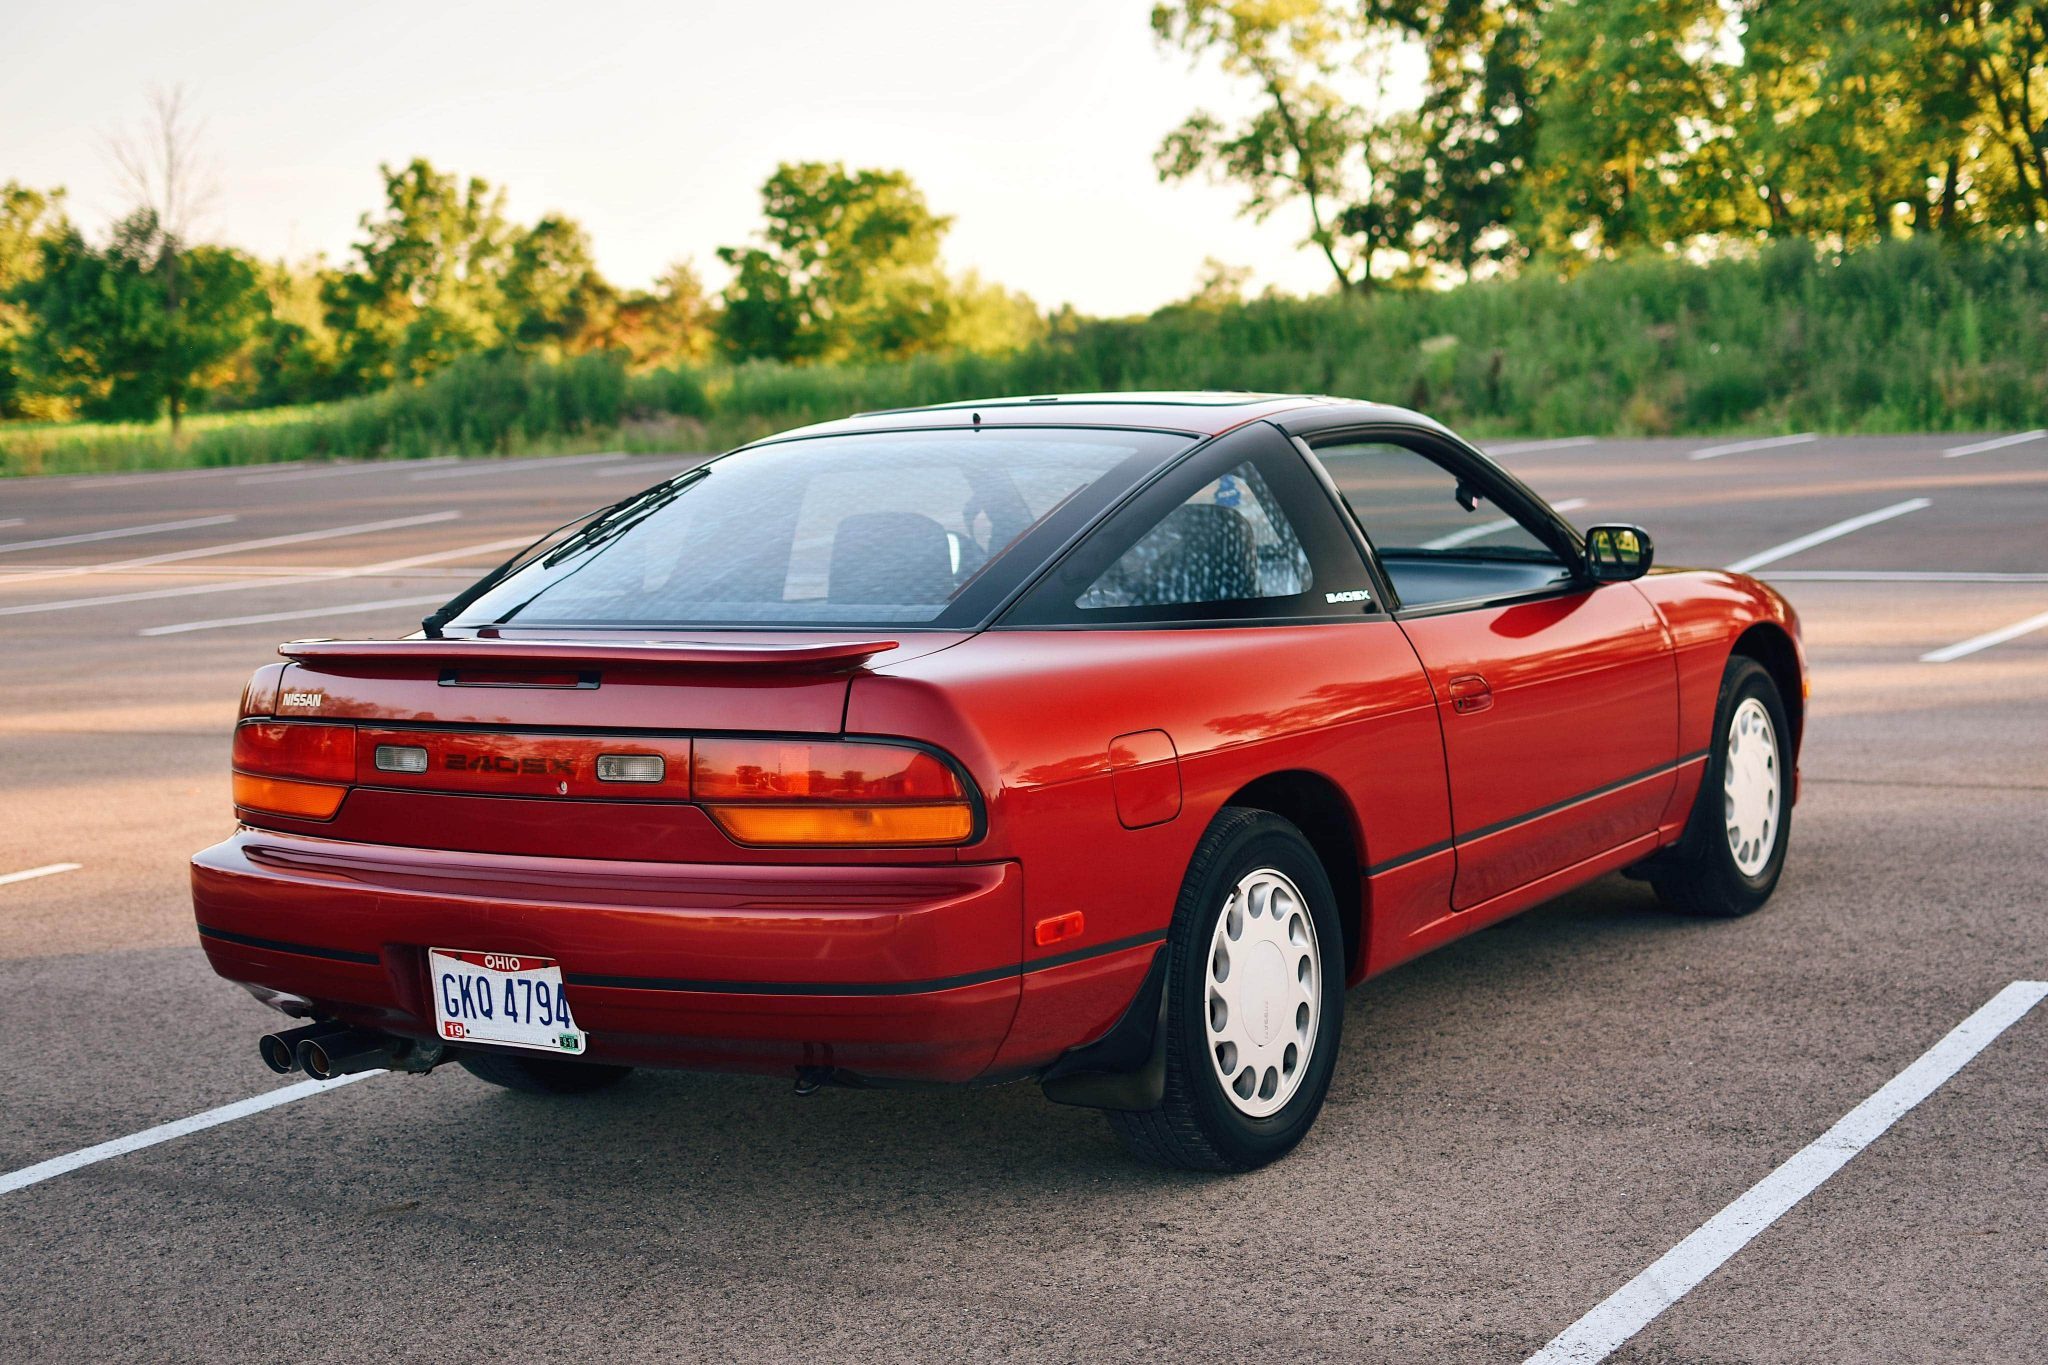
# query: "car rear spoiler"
{"type": "Point", "coordinates": [828, 656]}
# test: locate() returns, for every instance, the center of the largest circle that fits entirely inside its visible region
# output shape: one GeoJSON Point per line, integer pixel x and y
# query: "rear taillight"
{"type": "Point", "coordinates": [792, 793]}
{"type": "Point", "coordinates": [293, 769]}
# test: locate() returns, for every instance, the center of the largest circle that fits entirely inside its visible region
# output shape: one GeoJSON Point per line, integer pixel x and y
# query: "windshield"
{"type": "Point", "coordinates": [892, 528]}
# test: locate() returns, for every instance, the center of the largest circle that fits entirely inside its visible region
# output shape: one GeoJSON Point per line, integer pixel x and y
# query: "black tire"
{"type": "Point", "coordinates": [1196, 1127]}
{"type": "Point", "coordinates": [1700, 876]}
{"type": "Point", "coordinates": [541, 1075]}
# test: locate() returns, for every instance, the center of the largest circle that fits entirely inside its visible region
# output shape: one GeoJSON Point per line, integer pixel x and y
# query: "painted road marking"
{"type": "Point", "coordinates": [205, 588]}
{"type": "Point", "coordinates": [12, 521]}
{"type": "Point", "coordinates": [174, 475]}
{"type": "Point", "coordinates": [1826, 534]}
{"type": "Point", "coordinates": [1986, 640]}
{"type": "Point", "coordinates": [515, 466]}
{"type": "Point", "coordinates": [236, 547]}
{"type": "Point", "coordinates": [641, 464]}
{"type": "Point", "coordinates": [164, 1132]}
{"type": "Point", "coordinates": [391, 603]}
{"type": "Point", "coordinates": [1739, 447]}
{"type": "Point", "coordinates": [46, 870]}
{"type": "Point", "coordinates": [1996, 443]}
{"type": "Point", "coordinates": [351, 467]}
{"type": "Point", "coordinates": [1531, 447]}
{"type": "Point", "coordinates": [118, 533]}
{"type": "Point", "coordinates": [1636, 1304]}
{"type": "Point", "coordinates": [389, 566]}
{"type": "Point", "coordinates": [1487, 528]}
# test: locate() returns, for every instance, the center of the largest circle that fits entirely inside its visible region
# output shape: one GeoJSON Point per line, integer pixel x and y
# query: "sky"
{"type": "Point", "coordinates": [1031, 122]}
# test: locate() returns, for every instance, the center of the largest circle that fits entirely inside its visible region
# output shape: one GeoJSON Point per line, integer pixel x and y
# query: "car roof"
{"type": "Point", "coordinates": [1196, 412]}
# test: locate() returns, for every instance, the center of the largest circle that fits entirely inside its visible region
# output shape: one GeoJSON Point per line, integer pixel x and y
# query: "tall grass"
{"type": "Point", "coordinates": [1912, 335]}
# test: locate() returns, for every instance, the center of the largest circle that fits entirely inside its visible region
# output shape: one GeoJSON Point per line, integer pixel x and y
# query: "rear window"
{"type": "Point", "coordinates": [916, 528]}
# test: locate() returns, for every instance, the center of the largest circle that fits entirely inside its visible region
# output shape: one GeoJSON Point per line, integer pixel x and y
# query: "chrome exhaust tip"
{"type": "Point", "coordinates": [346, 1051]}
{"type": "Point", "coordinates": [280, 1050]}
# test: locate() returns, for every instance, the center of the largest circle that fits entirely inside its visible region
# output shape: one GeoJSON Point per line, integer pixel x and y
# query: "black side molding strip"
{"type": "Point", "coordinates": [279, 946]}
{"type": "Point", "coordinates": [665, 983]}
{"type": "Point", "coordinates": [1427, 850]}
{"type": "Point", "coordinates": [942, 983]}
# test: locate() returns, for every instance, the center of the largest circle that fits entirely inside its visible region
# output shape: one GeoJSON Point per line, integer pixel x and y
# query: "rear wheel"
{"type": "Point", "coordinates": [1255, 1001]}
{"type": "Point", "coordinates": [541, 1075]}
{"type": "Point", "coordinates": [1734, 848]}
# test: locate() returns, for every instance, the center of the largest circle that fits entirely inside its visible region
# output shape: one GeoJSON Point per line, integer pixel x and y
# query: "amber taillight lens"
{"type": "Point", "coordinates": [826, 793]}
{"type": "Point", "coordinates": [292, 769]}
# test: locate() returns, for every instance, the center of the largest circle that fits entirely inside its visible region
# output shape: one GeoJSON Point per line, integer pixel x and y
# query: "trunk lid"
{"type": "Point", "coordinates": [511, 728]}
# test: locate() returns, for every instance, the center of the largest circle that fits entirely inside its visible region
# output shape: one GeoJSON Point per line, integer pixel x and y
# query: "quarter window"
{"type": "Point", "coordinates": [1228, 542]}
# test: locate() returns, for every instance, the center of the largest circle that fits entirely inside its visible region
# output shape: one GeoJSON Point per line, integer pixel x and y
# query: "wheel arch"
{"type": "Point", "coordinates": [1314, 804]}
{"type": "Point", "coordinates": [1768, 643]}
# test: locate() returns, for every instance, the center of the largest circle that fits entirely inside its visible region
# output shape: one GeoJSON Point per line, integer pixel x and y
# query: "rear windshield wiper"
{"type": "Point", "coordinates": [433, 622]}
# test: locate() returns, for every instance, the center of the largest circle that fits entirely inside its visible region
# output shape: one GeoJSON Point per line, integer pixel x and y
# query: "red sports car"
{"type": "Point", "coordinates": [1098, 740]}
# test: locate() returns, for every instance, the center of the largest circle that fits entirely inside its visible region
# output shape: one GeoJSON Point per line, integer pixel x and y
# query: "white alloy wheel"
{"type": "Point", "coordinates": [1752, 785]}
{"type": "Point", "coordinates": [1264, 992]}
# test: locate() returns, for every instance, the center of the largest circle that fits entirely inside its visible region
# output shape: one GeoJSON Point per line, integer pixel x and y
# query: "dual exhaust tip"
{"type": "Point", "coordinates": [324, 1051]}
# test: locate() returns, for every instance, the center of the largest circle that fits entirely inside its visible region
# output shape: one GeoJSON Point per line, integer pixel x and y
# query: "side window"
{"type": "Point", "coordinates": [1243, 531]}
{"type": "Point", "coordinates": [1228, 542]}
{"type": "Point", "coordinates": [1437, 537]}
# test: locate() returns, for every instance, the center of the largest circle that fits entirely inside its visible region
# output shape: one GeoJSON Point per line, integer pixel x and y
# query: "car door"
{"type": "Point", "coordinates": [1557, 696]}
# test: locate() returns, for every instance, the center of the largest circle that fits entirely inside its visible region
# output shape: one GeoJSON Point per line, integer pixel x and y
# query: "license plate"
{"type": "Point", "coordinates": [502, 998]}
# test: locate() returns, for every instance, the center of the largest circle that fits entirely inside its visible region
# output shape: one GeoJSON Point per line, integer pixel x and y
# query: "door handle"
{"type": "Point", "coordinates": [1470, 693]}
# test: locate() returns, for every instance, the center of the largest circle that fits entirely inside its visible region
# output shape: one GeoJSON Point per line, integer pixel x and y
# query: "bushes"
{"type": "Point", "coordinates": [1911, 335]}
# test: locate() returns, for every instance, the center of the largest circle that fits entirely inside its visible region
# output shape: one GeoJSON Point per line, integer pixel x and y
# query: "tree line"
{"type": "Point", "coordinates": [1563, 131]}
{"type": "Point", "coordinates": [1549, 134]}
{"type": "Point", "coordinates": [146, 323]}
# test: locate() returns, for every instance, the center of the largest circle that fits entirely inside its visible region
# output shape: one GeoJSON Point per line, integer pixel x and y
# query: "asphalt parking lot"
{"type": "Point", "coordinates": [1520, 1123]}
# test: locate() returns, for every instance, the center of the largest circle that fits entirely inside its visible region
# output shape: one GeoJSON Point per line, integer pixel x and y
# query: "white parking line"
{"type": "Point", "coordinates": [46, 870]}
{"type": "Point", "coordinates": [642, 464]}
{"type": "Point", "coordinates": [118, 533]}
{"type": "Point", "coordinates": [1636, 1304]}
{"type": "Point", "coordinates": [1739, 447]}
{"type": "Point", "coordinates": [236, 547]}
{"type": "Point", "coordinates": [12, 521]}
{"type": "Point", "coordinates": [390, 566]}
{"type": "Point", "coordinates": [164, 1132]}
{"type": "Point", "coordinates": [1986, 640]}
{"type": "Point", "coordinates": [174, 475]}
{"type": "Point", "coordinates": [1530, 447]}
{"type": "Point", "coordinates": [477, 471]}
{"type": "Point", "coordinates": [1486, 528]}
{"type": "Point", "coordinates": [351, 467]}
{"type": "Point", "coordinates": [389, 603]}
{"type": "Point", "coordinates": [1825, 534]}
{"type": "Point", "coordinates": [1996, 443]}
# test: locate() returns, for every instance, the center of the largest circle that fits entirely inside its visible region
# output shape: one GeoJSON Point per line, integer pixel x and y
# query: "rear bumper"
{"type": "Point", "coordinates": [907, 973]}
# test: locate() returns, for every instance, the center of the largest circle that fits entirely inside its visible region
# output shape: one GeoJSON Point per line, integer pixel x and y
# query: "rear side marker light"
{"type": "Point", "coordinates": [400, 758]}
{"type": "Point", "coordinates": [1057, 929]}
{"type": "Point", "coordinates": [830, 793]}
{"type": "Point", "coordinates": [631, 768]}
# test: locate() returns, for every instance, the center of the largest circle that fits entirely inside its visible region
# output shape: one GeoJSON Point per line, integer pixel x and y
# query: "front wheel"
{"type": "Point", "coordinates": [1255, 1001]}
{"type": "Point", "coordinates": [1734, 847]}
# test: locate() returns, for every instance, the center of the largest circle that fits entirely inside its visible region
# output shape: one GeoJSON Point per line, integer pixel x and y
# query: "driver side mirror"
{"type": "Point", "coordinates": [1615, 554]}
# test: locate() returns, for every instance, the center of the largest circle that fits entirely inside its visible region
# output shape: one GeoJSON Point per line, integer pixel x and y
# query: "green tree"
{"type": "Point", "coordinates": [847, 266]}
{"type": "Point", "coordinates": [554, 298]}
{"type": "Point", "coordinates": [427, 282]}
{"type": "Point", "coordinates": [28, 218]}
{"type": "Point", "coordinates": [1304, 140]}
{"type": "Point", "coordinates": [1634, 147]}
{"type": "Point", "coordinates": [136, 329]}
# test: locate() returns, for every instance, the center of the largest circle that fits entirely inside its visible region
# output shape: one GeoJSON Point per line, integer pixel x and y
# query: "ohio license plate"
{"type": "Point", "coordinates": [502, 998]}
